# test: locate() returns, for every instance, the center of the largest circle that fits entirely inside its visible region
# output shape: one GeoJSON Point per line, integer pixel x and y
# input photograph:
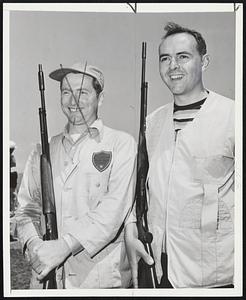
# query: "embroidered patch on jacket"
{"type": "Point", "coordinates": [101, 160]}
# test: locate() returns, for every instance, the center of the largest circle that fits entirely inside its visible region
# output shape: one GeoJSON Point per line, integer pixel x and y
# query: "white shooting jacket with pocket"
{"type": "Point", "coordinates": [93, 195]}
{"type": "Point", "coordinates": [191, 193]}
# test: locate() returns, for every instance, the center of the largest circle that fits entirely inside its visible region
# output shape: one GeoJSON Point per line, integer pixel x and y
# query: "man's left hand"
{"type": "Point", "coordinates": [49, 255]}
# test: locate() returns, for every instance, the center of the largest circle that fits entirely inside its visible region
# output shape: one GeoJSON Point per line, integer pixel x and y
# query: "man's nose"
{"type": "Point", "coordinates": [74, 99]}
{"type": "Point", "coordinates": [173, 64]}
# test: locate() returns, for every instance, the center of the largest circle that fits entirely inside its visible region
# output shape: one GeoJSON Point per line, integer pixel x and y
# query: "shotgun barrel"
{"type": "Point", "coordinates": [48, 196]}
{"type": "Point", "coordinates": [146, 274]}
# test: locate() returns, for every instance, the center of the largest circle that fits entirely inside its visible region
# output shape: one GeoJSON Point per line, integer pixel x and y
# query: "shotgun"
{"type": "Point", "coordinates": [48, 196]}
{"type": "Point", "coordinates": [146, 274]}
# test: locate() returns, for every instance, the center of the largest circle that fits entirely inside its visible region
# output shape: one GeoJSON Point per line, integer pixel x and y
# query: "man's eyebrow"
{"type": "Point", "coordinates": [183, 52]}
{"type": "Point", "coordinates": [82, 89]}
{"type": "Point", "coordinates": [78, 89]}
{"type": "Point", "coordinates": [178, 53]}
{"type": "Point", "coordinates": [164, 54]}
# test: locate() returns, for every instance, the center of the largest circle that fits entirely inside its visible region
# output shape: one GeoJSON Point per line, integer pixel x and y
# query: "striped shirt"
{"type": "Point", "coordinates": [183, 114]}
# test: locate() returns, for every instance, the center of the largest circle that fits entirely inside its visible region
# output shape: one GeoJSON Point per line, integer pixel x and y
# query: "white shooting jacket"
{"type": "Point", "coordinates": [191, 193]}
{"type": "Point", "coordinates": [93, 194]}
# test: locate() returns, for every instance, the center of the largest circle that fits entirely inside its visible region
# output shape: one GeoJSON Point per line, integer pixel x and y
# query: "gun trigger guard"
{"type": "Point", "coordinates": [148, 237]}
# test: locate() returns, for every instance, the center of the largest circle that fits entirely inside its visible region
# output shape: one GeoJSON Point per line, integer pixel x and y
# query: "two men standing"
{"type": "Point", "coordinates": [190, 184]}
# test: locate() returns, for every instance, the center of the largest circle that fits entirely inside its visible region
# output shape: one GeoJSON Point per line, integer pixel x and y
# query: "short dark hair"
{"type": "Point", "coordinates": [173, 28]}
{"type": "Point", "coordinates": [96, 85]}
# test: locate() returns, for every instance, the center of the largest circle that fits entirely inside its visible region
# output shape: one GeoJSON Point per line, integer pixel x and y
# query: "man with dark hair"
{"type": "Point", "coordinates": [190, 144]}
{"type": "Point", "coordinates": [173, 28]}
{"type": "Point", "coordinates": [92, 167]}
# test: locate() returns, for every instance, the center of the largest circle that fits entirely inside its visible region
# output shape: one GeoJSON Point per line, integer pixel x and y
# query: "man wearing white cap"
{"type": "Point", "coordinates": [92, 169]}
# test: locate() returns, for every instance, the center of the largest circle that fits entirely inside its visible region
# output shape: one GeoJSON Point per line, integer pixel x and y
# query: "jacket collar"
{"type": "Point", "coordinates": [96, 132]}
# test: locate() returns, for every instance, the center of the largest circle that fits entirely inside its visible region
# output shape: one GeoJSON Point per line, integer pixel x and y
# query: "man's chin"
{"type": "Point", "coordinates": [76, 122]}
{"type": "Point", "coordinates": [177, 90]}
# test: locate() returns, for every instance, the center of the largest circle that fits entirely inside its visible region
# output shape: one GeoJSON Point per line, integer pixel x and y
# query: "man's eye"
{"type": "Point", "coordinates": [164, 59]}
{"type": "Point", "coordinates": [183, 56]}
{"type": "Point", "coordinates": [84, 92]}
{"type": "Point", "coordinates": [65, 93]}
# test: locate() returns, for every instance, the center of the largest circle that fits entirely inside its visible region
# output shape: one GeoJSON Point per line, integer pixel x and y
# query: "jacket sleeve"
{"type": "Point", "coordinates": [131, 217]}
{"type": "Point", "coordinates": [28, 214]}
{"type": "Point", "coordinates": [100, 226]}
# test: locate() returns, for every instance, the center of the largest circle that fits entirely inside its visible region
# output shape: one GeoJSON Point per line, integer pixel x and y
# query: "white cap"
{"type": "Point", "coordinates": [79, 67]}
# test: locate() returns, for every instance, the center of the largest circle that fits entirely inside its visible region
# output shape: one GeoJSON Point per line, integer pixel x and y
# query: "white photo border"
{"type": "Point", "coordinates": [125, 8]}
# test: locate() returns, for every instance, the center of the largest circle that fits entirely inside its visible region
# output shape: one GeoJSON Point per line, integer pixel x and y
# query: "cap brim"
{"type": "Point", "coordinates": [60, 73]}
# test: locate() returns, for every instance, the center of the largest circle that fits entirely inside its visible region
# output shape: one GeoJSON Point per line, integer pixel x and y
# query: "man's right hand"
{"type": "Point", "coordinates": [47, 255]}
{"type": "Point", "coordinates": [135, 250]}
{"type": "Point", "coordinates": [31, 247]}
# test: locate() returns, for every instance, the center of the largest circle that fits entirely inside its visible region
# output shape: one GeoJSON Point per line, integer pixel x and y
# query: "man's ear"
{"type": "Point", "coordinates": [100, 98]}
{"type": "Point", "coordinates": [205, 61]}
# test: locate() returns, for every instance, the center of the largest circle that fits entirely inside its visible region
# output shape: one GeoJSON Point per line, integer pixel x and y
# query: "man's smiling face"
{"type": "Point", "coordinates": [180, 63]}
{"type": "Point", "coordinates": [86, 98]}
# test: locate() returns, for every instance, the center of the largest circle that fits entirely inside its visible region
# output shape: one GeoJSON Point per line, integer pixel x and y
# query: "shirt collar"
{"type": "Point", "coordinates": [96, 125]}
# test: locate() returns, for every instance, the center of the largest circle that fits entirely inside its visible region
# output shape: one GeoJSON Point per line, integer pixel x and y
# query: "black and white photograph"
{"type": "Point", "coordinates": [122, 149]}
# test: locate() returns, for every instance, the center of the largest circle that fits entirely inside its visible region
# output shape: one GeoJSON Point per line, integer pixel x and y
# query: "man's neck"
{"type": "Point", "coordinates": [76, 129]}
{"type": "Point", "coordinates": [194, 96]}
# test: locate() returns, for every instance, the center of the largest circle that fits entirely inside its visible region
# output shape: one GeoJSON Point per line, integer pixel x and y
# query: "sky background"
{"type": "Point", "coordinates": [111, 41]}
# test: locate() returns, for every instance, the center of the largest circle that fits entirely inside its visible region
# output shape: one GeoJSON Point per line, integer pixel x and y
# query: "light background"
{"type": "Point", "coordinates": [111, 41]}
{"type": "Point", "coordinates": [218, 29]}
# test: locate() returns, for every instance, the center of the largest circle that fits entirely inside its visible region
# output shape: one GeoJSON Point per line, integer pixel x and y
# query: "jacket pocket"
{"type": "Point", "coordinates": [206, 209]}
{"type": "Point", "coordinates": [108, 269]}
{"type": "Point", "coordinates": [212, 169]}
{"type": "Point", "coordinates": [81, 271]}
{"type": "Point", "coordinates": [114, 269]}
{"type": "Point", "coordinates": [214, 173]}
{"type": "Point", "coordinates": [97, 186]}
